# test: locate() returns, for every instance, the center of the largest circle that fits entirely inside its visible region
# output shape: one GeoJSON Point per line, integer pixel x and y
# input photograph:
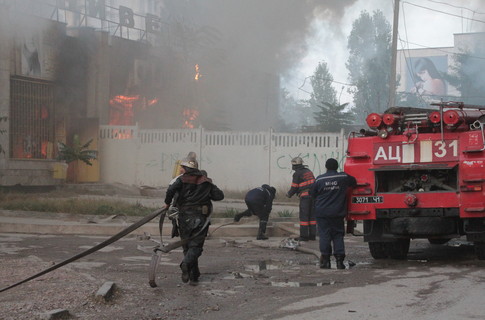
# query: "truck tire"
{"type": "Point", "coordinates": [399, 249]}
{"type": "Point", "coordinates": [480, 250]}
{"type": "Point", "coordinates": [378, 250]}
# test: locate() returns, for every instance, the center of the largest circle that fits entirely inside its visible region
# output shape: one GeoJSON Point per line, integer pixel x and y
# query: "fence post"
{"type": "Point", "coordinates": [270, 150]}
{"type": "Point", "coordinates": [137, 139]}
{"type": "Point", "coordinates": [201, 139]}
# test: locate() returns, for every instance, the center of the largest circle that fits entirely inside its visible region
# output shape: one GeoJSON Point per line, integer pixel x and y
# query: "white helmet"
{"type": "Point", "coordinates": [296, 160]}
{"type": "Point", "coordinates": [189, 163]}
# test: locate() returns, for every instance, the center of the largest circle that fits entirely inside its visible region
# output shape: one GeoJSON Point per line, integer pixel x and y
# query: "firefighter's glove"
{"type": "Point", "coordinates": [173, 214]}
{"type": "Point", "coordinates": [288, 195]}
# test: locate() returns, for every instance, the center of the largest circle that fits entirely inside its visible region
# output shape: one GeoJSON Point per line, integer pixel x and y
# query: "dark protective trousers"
{"type": "Point", "coordinates": [258, 210]}
{"type": "Point", "coordinates": [331, 231]}
{"type": "Point", "coordinates": [189, 224]}
{"type": "Point", "coordinates": [308, 227]}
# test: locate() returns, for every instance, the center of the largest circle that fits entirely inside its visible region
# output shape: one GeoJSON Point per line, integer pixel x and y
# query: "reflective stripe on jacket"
{"type": "Point", "coordinates": [303, 179]}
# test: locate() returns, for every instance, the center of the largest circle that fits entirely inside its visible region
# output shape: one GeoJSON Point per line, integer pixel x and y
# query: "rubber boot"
{"type": "Point", "coordinates": [194, 274]}
{"type": "Point", "coordinates": [304, 233]}
{"type": "Point", "coordinates": [185, 272]}
{"type": "Point", "coordinates": [340, 261]}
{"type": "Point", "coordinates": [324, 262]}
{"type": "Point", "coordinates": [262, 231]}
{"type": "Point", "coordinates": [238, 216]}
{"type": "Point", "coordinates": [313, 232]}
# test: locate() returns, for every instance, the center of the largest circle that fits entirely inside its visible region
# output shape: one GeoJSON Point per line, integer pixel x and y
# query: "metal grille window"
{"type": "Point", "coordinates": [32, 124]}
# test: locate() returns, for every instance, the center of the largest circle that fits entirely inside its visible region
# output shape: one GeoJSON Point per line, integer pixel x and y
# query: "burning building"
{"type": "Point", "coordinates": [68, 67]}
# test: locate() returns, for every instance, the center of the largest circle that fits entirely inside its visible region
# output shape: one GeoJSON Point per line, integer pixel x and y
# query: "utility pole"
{"type": "Point", "coordinates": [392, 82]}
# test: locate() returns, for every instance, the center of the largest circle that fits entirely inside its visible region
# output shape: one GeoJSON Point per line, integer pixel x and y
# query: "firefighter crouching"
{"type": "Point", "coordinates": [303, 179]}
{"type": "Point", "coordinates": [260, 203]}
{"type": "Point", "coordinates": [195, 193]}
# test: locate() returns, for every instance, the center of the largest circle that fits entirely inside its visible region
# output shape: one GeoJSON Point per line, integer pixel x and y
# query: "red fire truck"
{"type": "Point", "coordinates": [420, 175]}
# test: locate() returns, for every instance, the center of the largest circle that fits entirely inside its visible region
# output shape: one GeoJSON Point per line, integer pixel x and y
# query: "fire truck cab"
{"type": "Point", "coordinates": [420, 174]}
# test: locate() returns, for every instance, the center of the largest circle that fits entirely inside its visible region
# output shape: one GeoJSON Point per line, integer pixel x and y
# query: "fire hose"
{"type": "Point", "coordinates": [157, 252]}
{"type": "Point", "coordinates": [103, 244]}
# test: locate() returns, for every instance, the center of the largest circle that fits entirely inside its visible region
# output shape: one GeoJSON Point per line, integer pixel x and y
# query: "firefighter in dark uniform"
{"type": "Point", "coordinates": [330, 194]}
{"type": "Point", "coordinates": [303, 179]}
{"type": "Point", "coordinates": [195, 191]}
{"type": "Point", "coordinates": [260, 203]}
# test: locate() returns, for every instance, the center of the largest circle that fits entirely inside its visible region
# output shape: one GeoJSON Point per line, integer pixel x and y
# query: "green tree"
{"type": "Point", "coordinates": [322, 89]}
{"type": "Point", "coordinates": [369, 44]}
{"type": "Point", "coordinates": [333, 117]}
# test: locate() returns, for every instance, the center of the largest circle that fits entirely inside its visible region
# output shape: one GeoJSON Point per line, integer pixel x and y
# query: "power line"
{"type": "Point", "coordinates": [443, 12]}
{"type": "Point", "coordinates": [457, 7]}
{"type": "Point", "coordinates": [326, 79]}
{"type": "Point", "coordinates": [441, 50]}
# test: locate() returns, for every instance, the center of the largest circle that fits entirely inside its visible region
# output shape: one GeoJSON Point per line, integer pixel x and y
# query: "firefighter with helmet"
{"type": "Point", "coordinates": [303, 179]}
{"type": "Point", "coordinates": [195, 193]}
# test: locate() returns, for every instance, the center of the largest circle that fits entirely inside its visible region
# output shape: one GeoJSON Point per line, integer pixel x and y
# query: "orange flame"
{"type": "Point", "coordinates": [152, 102]}
{"type": "Point", "coordinates": [189, 116]}
{"type": "Point", "coordinates": [197, 73]}
{"type": "Point", "coordinates": [122, 108]}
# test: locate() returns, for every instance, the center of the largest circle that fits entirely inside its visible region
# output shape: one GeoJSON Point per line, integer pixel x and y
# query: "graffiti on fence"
{"type": "Point", "coordinates": [164, 161]}
{"type": "Point", "coordinates": [314, 161]}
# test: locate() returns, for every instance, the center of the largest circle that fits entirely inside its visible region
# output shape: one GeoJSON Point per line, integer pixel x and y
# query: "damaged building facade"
{"type": "Point", "coordinates": [68, 67]}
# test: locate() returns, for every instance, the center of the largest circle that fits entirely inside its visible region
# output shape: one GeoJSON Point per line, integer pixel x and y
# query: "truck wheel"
{"type": "Point", "coordinates": [480, 250]}
{"type": "Point", "coordinates": [378, 250]}
{"type": "Point", "coordinates": [399, 249]}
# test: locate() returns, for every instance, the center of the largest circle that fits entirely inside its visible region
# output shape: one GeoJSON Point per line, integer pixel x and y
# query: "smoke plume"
{"type": "Point", "coordinates": [244, 47]}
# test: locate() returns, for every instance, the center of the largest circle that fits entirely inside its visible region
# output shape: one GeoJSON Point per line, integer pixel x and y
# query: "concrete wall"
{"type": "Point", "coordinates": [236, 161]}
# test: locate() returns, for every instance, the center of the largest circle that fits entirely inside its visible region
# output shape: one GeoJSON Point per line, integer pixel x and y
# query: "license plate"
{"type": "Point", "coordinates": [373, 199]}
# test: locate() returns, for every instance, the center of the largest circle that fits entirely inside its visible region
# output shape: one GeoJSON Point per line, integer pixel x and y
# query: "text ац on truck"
{"type": "Point", "coordinates": [420, 175]}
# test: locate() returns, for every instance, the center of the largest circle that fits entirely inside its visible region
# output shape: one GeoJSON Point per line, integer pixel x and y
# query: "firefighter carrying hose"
{"type": "Point", "coordinates": [303, 179]}
{"type": "Point", "coordinates": [194, 202]}
{"type": "Point", "coordinates": [260, 203]}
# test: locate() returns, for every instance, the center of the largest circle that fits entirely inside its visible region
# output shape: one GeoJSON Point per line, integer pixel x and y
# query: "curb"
{"type": "Point", "coordinates": [9, 224]}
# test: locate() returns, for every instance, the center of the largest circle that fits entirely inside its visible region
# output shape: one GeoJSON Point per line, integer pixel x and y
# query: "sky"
{"type": "Point", "coordinates": [422, 23]}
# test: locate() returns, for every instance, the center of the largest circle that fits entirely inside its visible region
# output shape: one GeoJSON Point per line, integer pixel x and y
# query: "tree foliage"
{"type": "Point", "coordinates": [333, 117]}
{"type": "Point", "coordinates": [369, 63]}
{"type": "Point", "coordinates": [322, 89]}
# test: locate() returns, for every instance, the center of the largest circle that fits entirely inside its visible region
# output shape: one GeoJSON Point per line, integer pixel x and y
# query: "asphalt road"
{"type": "Point", "coordinates": [241, 279]}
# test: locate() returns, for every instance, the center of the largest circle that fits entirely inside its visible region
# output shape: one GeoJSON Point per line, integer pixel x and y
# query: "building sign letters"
{"type": "Point", "coordinates": [97, 9]}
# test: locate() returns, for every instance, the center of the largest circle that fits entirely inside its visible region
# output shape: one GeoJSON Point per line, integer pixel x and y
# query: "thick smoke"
{"type": "Point", "coordinates": [268, 35]}
{"type": "Point", "coordinates": [244, 47]}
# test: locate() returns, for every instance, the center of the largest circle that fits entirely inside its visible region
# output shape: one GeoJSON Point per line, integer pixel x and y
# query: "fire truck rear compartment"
{"type": "Point", "coordinates": [416, 180]}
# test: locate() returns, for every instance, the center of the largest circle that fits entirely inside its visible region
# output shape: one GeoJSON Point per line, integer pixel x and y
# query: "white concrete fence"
{"type": "Point", "coordinates": [236, 161]}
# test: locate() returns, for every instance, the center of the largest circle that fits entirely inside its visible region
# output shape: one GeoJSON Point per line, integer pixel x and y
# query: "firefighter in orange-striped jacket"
{"type": "Point", "coordinates": [303, 179]}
